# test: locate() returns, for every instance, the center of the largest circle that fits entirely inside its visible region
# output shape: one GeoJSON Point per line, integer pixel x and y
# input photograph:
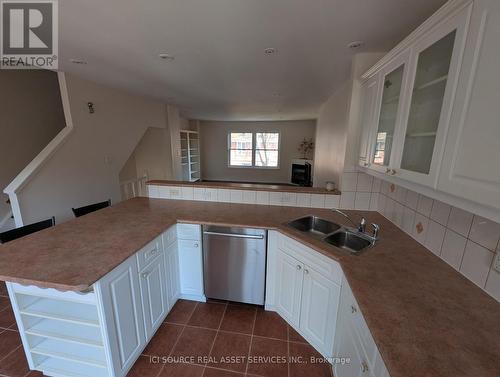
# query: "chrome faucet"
{"type": "Point", "coordinates": [360, 227]}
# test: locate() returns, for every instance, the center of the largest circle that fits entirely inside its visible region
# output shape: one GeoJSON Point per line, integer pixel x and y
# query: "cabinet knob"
{"type": "Point", "coordinates": [145, 275]}
{"type": "Point", "coordinates": [364, 367]}
{"type": "Point", "coordinates": [306, 271]}
{"type": "Point", "coordinates": [196, 244]}
{"type": "Point", "coordinates": [299, 267]}
{"type": "Point", "coordinates": [353, 309]}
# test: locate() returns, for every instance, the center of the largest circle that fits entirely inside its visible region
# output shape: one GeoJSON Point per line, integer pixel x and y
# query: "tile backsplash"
{"type": "Point", "coordinates": [465, 241]}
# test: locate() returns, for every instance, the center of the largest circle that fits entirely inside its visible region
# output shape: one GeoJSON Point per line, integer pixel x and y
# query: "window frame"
{"type": "Point", "coordinates": [254, 149]}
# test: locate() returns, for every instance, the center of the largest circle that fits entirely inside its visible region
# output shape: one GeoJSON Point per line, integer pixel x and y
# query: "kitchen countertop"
{"type": "Point", "coordinates": [247, 186]}
{"type": "Point", "coordinates": [426, 319]}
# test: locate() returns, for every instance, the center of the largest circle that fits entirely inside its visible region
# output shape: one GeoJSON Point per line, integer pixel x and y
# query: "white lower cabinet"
{"type": "Point", "coordinates": [190, 262]}
{"type": "Point", "coordinates": [172, 274]}
{"type": "Point", "coordinates": [354, 341]}
{"type": "Point", "coordinates": [305, 298]}
{"type": "Point", "coordinates": [119, 294]}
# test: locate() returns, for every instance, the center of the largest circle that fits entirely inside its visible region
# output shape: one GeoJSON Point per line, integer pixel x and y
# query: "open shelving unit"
{"type": "Point", "coordinates": [61, 331]}
{"type": "Point", "coordinates": [190, 155]}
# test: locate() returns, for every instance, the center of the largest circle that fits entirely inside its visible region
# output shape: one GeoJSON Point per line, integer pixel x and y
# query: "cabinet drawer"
{"type": "Point", "coordinates": [189, 232]}
{"type": "Point", "coordinates": [170, 236]}
{"type": "Point", "coordinates": [325, 266]}
{"type": "Point", "coordinates": [148, 253]}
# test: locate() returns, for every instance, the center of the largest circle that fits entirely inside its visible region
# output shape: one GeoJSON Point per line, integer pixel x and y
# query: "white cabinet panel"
{"type": "Point", "coordinates": [153, 293]}
{"type": "Point", "coordinates": [289, 275]}
{"type": "Point", "coordinates": [120, 296]}
{"type": "Point", "coordinates": [191, 268]}
{"type": "Point", "coordinates": [172, 274]}
{"type": "Point", "coordinates": [318, 316]}
{"type": "Point", "coordinates": [369, 97]}
{"type": "Point", "coordinates": [189, 232]}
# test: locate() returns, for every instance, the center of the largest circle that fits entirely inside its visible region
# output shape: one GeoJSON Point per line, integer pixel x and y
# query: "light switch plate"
{"type": "Point", "coordinates": [496, 263]}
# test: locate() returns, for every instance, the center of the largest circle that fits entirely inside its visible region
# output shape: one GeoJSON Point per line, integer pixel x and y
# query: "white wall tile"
{"type": "Point", "coordinates": [476, 263]}
{"type": "Point", "coordinates": [362, 200]}
{"type": "Point", "coordinates": [389, 208]}
{"type": "Point", "coordinates": [382, 199]}
{"type": "Point", "coordinates": [411, 199]}
{"type": "Point", "coordinates": [275, 198]}
{"type": "Point", "coordinates": [435, 237]}
{"type": "Point", "coordinates": [224, 195]}
{"type": "Point", "coordinates": [349, 181]}
{"type": "Point", "coordinates": [424, 205]}
{"type": "Point", "coordinates": [398, 214]}
{"type": "Point", "coordinates": [365, 183]}
{"type": "Point", "coordinates": [347, 200]}
{"type": "Point", "coordinates": [485, 232]}
{"type": "Point", "coordinates": [493, 284]}
{"type": "Point", "coordinates": [303, 200]}
{"type": "Point", "coordinates": [332, 201]}
{"type": "Point", "coordinates": [187, 193]}
{"type": "Point", "coordinates": [376, 185]}
{"type": "Point", "coordinates": [374, 201]}
{"type": "Point", "coordinates": [153, 191]}
{"type": "Point", "coordinates": [175, 193]}
{"type": "Point", "coordinates": [440, 212]}
{"type": "Point", "coordinates": [237, 196]}
{"type": "Point", "coordinates": [408, 220]}
{"type": "Point", "coordinates": [249, 197]}
{"type": "Point", "coordinates": [211, 194]}
{"type": "Point", "coordinates": [460, 221]}
{"type": "Point", "coordinates": [384, 188]}
{"type": "Point", "coordinates": [420, 228]}
{"type": "Point", "coordinates": [289, 199]}
{"type": "Point", "coordinates": [401, 194]}
{"type": "Point", "coordinates": [199, 193]}
{"type": "Point", "coordinates": [262, 197]}
{"type": "Point", "coordinates": [317, 201]}
{"type": "Point", "coordinates": [164, 192]}
{"type": "Point", "coordinates": [453, 248]}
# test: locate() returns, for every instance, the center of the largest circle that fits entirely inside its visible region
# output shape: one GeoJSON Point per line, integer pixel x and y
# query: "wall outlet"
{"type": "Point", "coordinates": [496, 262]}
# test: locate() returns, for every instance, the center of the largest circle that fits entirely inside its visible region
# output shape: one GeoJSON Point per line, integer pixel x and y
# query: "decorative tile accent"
{"type": "Point", "coordinates": [420, 228]}
{"type": "Point", "coordinates": [476, 263]}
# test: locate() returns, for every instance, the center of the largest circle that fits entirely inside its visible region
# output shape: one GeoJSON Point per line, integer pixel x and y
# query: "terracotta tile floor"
{"type": "Point", "coordinates": [214, 339]}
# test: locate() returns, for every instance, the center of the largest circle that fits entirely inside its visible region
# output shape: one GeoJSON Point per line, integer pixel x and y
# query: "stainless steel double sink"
{"type": "Point", "coordinates": [340, 236]}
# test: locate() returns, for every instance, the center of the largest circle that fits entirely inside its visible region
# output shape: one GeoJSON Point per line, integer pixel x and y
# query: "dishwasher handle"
{"type": "Point", "coordinates": [235, 235]}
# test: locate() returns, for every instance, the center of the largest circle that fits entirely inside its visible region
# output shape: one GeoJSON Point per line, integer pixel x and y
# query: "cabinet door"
{"type": "Point", "coordinates": [471, 167]}
{"type": "Point", "coordinates": [369, 93]}
{"type": "Point", "coordinates": [191, 269]}
{"type": "Point", "coordinates": [289, 276]}
{"type": "Point", "coordinates": [436, 62]}
{"type": "Point", "coordinates": [172, 274]}
{"type": "Point", "coordinates": [390, 106]}
{"type": "Point", "coordinates": [120, 299]}
{"type": "Point", "coordinates": [153, 293]}
{"type": "Point", "coordinates": [320, 302]}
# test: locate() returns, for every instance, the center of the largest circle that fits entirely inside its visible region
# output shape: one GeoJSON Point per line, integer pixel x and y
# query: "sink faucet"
{"type": "Point", "coordinates": [361, 227]}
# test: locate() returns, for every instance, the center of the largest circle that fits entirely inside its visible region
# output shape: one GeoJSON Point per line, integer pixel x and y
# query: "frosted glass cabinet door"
{"type": "Point", "coordinates": [389, 115]}
{"type": "Point", "coordinates": [429, 87]}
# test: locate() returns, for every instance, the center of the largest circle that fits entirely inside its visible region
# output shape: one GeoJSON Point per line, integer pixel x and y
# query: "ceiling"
{"type": "Point", "coordinates": [220, 70]}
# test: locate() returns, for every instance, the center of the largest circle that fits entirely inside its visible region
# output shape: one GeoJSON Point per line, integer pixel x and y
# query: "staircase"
{"type": "Point", "coordinates": [7, 219]}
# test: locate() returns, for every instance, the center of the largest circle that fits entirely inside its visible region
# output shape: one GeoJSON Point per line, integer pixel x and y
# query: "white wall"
{"type": "Point", "coordinates": [214, 156]}
{"type": "Point", "coordinates": [85, 168]}
{"type": "Point", "coordinates": [32, 115]}
{"type": "Point", "coordinates": [338, 131]}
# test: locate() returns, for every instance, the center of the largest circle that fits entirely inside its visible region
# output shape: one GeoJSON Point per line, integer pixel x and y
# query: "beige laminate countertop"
{"type": "Point", "coordinates": [247, 186]}
{"type": "Point", "coordinates": [426, 319]}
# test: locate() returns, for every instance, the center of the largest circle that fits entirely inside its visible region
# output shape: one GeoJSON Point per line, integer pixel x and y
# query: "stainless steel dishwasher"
{"type": "Point", "coordinates": [234, 263]}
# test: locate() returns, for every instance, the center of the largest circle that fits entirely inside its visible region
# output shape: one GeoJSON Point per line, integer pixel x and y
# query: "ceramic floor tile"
{"type": "Point", "coordinates": [3, 289]}
{"type": "Point", "coordinates": [239, 318]}
{"type": "Point", "coordinates": [164, 340]}
{"type": "Point", "coordinates": [181, 370]}
{"type": "Point", "coordinates": [270, 325]}
{"type": "Point", "coordinates": [211, 372]}
{"type": "Point", "coordinates": [307, 362]}
{"type": "Point", "coordinates": [294, 336]}
{"type": "Point", "coordinates": [230, 351]}
{"type": "Point", "coordinates": [15, 364]}
{"type": "Point", "coordinates": [4, 303]}
{"type": "Point", "coordinates": [268, 357]}
{"type": "Point", "coordinates": [7, 318]}
{"type": "Point", "coordinates": [207, 315]}
{"type": "Point", "coordinates": [181, 312]}
{"type": "Point", "coordinates": [144, 367]}
{"type": "Point", "coordinates": [194, 345]}
{"type": "Point", "coordinates": [9, 341]}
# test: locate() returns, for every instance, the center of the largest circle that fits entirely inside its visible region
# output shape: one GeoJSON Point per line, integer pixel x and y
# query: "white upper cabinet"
{"type": "Point", "coordinates": [471, 162]}
{"type": "Point", "coordinates": [417, 85]}
{"type": "Point", "coordinates": [369, 96]}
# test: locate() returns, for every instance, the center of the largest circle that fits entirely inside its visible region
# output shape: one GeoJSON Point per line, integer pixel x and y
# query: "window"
{"type": "Point", "coordinates": [258, 149]}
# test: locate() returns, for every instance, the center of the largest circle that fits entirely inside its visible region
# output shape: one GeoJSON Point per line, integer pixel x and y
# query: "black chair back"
{"type": "Point", "coordinates": [90, 208]}
{"type": "Point", "coordinates": [13, 234]}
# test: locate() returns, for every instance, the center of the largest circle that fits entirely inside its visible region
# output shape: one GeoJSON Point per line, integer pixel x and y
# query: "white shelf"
{"type": "Point", "coordinates": [432, 82]}
{"type": "Point", "coordinates": [71, 352]}
{"type": "Point", "coordinates": [64, 368]}
{"type": "Point", "coordinates": [422, 134]}
{"type": "Point", "coordinates": [68, 332]}
{"type": "Point", "coordinates": [63, 311]}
